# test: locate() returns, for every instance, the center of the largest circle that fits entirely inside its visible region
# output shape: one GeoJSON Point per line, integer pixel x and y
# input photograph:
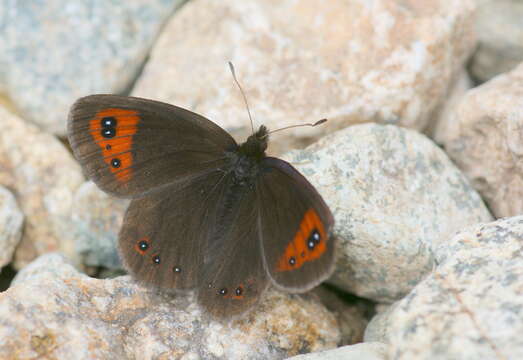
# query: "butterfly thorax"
{"type": "Point", "coordinates": [246, 160]}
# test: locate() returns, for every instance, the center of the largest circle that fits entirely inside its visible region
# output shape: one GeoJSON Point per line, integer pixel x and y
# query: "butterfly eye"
{"type": "Point", "coordinates": [156, 259]}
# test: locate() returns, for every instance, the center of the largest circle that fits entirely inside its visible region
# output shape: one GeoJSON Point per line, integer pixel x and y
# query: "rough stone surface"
{"type": "Point", "coordinates": [443, 124]}
{"type": "Point", "coordinates": [51, 310]}
{"type": "Point", "coordinates": [471, 306]}
{"type": "Point", "coordinates": [11, 220]}
{"type": "Point", "coordinates": [43, 176]}
{"type": "Point", "coordinates": [53, 52]}
{"type": "Point", "coordinates": [500, 34]}
{"type": "Point", "coordinates": [97, 218]}
{"type": "Point", "coordinates": [300, 61]}
{"type": "Point", "coordinates": [351, 315]}
{"type": "Point", "coordinates": [486, 141]}
{"type": "Point", "coordinates": [364, 351]}
{"type": "Point", "coordinates": [395, 195]}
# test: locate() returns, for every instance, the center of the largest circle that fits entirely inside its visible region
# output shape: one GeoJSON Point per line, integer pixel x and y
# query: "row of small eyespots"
{"type": "Point", "coordinates": [143, 246]}
{"type": "Point", "coordinates": [238, 292]}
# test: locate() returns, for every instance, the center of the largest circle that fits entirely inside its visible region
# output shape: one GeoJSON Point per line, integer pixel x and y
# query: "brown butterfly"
{"type": "Point", "coordinates": [207, 214]}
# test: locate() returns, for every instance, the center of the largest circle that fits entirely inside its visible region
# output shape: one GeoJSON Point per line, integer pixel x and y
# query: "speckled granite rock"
{"type": "Point", "coordinates": [486, 141]}
{"type": "Point", "coordinates": [395, 196]}
{"type": "Point", "coordinates": [52, 310]}
{"type": "Point", "coordinates": [471, 306]}
{"type": "Point", "coordinates": [11, 220]}
{"type": "Point", "coordinates": [351, 316]}
{"type": "Point", "coordinates": [43, 177]}
{"type": "Point", "coordinates": [52, 52]}
{"type": "Point", "coordinates": [300, 61]}
{"type": "Point", "coordinates": [364, 351]}
{"type": "Point", "coordinates": [500, 33]}
{"type": "Point", "coordinates": [97, 218]}
{"type": "Point", "coordinates": [443, 124]}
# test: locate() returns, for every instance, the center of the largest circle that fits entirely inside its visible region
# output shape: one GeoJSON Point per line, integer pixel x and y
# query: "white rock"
{"type": "Point", "coordinates": [43, 176]}
{"type": "Point", "coordinates": [395, 195]}
{"type": "Point", "coordinates": [500, 33]}
{"type": "Point", "coordinates": [486, 141]}
{"type": "Point", "coordinates": [52, 52]}
{"type": "Point", "coordinates": [11, 220]}
{"type": "Point", "coordinates": [471, 306]}
{"type": "Point", "coordinates": [362, 351]}
{"type": "Point", "coordinates": [303, 60]}
{"type": "Point", "coordinates": [97, 218]}
{"type": "Point", "coordinates": [53, 310]}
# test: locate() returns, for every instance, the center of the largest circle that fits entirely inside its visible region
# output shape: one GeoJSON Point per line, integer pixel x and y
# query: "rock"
{"type": "Point", "coordinates": [471, 305]}
{"type": "Point", "coordinates": [500, 34]}
{"type": "Point", "coordinates": [43, 177]}
{"type": "Point", "coordinates": [54, 52]}
{"type": "Point", "coordinates": [364, 351]}
{"type": "Point", "coordinates": [11, 220]}
{"type": "Point", "coordinates": [97, 218]}
{"type": "Point", "coordinates": [52, 310]}
{"type": "Point", "coordinates": [442, 124]}
{"type": "Point", "coordinates": [301, 61]}
{"type": "Point", "coordinates": [395, 195]}
{"type": "Point", "coordinates": [377, 328]}
{"type": "Point", "coordinates": [486, 141]}
{"type": "Point", "coordinates": [351, 315]}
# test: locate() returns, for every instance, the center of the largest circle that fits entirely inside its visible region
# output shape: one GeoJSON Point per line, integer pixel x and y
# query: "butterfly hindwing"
{"type": "Point", "coordinates": [129, 146]}
{"type": "Point", "coordinates": [295, 230]}
{"type": "Point", "coordinates": [233, 277]}
{"type": "Point", "coordinates": [164, 235]}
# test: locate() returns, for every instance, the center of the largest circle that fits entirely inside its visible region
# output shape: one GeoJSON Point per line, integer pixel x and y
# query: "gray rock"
{"type": "Point", "coordinates": [351, 316]}
{"type": "Point", "coordinates": [97, 218]}
{"type": "Point", "coordinates": [486, 141]}
{"type": "Point", "coordinates": [53, 52]}
{"type": "Point", "coordinates": [43, 176]}
{"type": "Point", "coordinates": [51, 310]}
{"type": "Point", "coordinates": [304, 60]}
{"type": "Point", "coordinates": [363, 351]}
{"type": "Point", "coordinates": [500, 33]}
{"type": "Point", "coordinates": [395, 195]}
{"type": "Point", "coordinates": [11, 220]}
{"type": "Point", "coordinates": [471, 305]}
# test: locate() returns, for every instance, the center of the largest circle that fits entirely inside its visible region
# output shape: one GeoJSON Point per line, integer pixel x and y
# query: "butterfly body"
{"type": "Point", "coordinates": [206, 213]}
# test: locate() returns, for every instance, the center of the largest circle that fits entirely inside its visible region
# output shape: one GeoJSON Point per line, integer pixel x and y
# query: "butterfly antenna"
{"type": "Point", "coordinates": [319, 122]}
{"type": "Point", "coordinates": [231, 66]}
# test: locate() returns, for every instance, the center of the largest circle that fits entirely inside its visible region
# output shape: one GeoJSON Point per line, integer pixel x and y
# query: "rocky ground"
{"type": "Point", "coordinates": [419, 163]}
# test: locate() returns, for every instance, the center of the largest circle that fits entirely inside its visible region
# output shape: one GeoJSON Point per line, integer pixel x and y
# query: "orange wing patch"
{"type": "Point", "coordinates": [113, 129]}
{"type": "Point", "coordinates": [309, 243]}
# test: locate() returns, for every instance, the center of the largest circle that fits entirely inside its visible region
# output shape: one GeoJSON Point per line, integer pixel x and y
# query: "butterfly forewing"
{"type": "Point", "coordinates": [295, 229]}
{"type": "Point", "coordinates": [130, 146]}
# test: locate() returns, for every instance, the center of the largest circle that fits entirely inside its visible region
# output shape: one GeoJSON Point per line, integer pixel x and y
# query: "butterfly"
{"type": "Point", "coordinates": [207, 213]}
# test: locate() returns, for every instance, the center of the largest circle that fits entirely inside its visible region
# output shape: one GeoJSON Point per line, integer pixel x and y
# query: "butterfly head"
{"type": "Point", "coordinates": [256, 144]}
